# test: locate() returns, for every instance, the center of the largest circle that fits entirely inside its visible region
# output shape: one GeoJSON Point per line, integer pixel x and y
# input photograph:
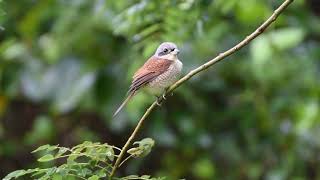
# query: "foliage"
{"type": "Point", "coordinates": [88, 160]}
{"type": "Point", "coordinates": [143, 149]}
{"type": "Point", "coordinates": [65, 66]}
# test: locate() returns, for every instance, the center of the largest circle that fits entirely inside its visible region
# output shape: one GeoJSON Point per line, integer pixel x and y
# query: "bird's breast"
{"type": "Point", "coordinates": [166, 79]}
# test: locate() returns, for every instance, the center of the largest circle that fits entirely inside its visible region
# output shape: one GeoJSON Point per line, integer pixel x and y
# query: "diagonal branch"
{"type": "Point", "coordinates": [201, 68]}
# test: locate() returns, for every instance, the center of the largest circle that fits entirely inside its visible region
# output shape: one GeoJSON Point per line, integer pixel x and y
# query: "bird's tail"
{"type": "Point", "coordinates": [124, 103]}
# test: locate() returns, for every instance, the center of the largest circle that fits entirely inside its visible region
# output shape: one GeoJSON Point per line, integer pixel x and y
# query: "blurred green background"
{"type": "Point", "coordinates": [65, 66]}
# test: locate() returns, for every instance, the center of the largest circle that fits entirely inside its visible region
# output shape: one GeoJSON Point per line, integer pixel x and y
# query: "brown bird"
{"type": "Point", "coordinates": [157, 74]}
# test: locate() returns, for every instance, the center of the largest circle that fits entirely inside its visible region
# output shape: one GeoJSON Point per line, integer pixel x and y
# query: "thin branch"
{"type": "Point", "coordinates": [115, 147]}
{"type": "Point", "coordinates": [201, 68]}
{"type": "Point", "coordinates": [125, 159]}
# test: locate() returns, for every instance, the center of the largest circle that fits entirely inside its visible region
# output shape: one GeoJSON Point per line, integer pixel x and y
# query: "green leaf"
{"type": "Point", "coordinates": [84, 172]}
{"type": "Point", "coordinates": [135, 152]}
{"type": "Point", "coordinates": [63, 170]}
{"type": "Point", "coordinates": [87, 143]}
{"type": "Point", "coordinates": [61, 151]}
{"type": "Point", "coordinates": [45, 158]}
{"type": "Point", "coordinates": [94, 177]}
{"type": "Point", "coordinates": [51, 171]}
{"type": "Point", "coordinates": [52, 148]}
{"type": "Point", "coordinates": [287, 38]}
{"type": "Point", "coordinates": [78, 148]}
{"type": "Point", "coordinates": [98, 151]}
{"type": "Point", "coordinates": [145, 176]}
{"type": "Point", "coordinates": [38, 172]}
{"type": "Point", "coordinates": [100, 173]}
{"type": "Point", "coordinates": [110, 153]}
{"type": "Point", "coordinates": [145, 142]}
{"type": "Point", "coordinates": [41, 148]}
{"type": "Point", "coordinates": [143, 149]}
{"type": "Point", "coordinates": [19, 173]}
{"type": "Point", "coordinates": [102, 153]}
{"type": "Point", "coordinates": [71, 159]}
{"type": "Point", "coordinates": [15, 174]}
{"type": "Point", "coordinates": [46, 147]}
{"type": "Point", "coordinates": [131, 177]}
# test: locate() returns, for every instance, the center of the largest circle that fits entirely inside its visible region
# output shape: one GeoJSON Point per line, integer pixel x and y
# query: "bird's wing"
{"type": "Point", "coordinates": [148, 72]}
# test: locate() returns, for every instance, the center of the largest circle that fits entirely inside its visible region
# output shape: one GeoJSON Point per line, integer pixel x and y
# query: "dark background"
{"type": "Point", "coordinates": [65, 66]}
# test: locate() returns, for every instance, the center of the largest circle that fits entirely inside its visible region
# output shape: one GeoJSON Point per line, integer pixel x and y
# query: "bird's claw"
{"type": "Point", "coordinates": [158, 103]}
{"type": "Point", "coordinates": [159, 100]}
{"type": "Point", "coordinates": [164, 96]}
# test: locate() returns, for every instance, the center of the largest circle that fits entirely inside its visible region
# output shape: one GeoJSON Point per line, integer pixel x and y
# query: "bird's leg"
{"type": "Point", "coordinates": [164, 96]}
{"type": "Point", "coordinates": [166, 92]}
{"type": "Point", "coordinates": [158, 101]}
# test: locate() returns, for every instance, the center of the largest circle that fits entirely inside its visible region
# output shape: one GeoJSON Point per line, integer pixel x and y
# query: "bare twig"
{"type": "Point", "coordinates": [125, 159]}
{"type": "Point", "coordinates": [201, 68]}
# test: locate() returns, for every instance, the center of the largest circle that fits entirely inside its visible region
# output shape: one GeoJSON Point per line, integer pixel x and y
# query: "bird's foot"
{"type": "Point", "coordinates": [164, 96]}
{"type": "Point", "coordinates": [158, 102]}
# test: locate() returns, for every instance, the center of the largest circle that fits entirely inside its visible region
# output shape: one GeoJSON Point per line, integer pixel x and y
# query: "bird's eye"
{"type": "Point", "coordinates": [173, 49]}
{"type": "Point", "coordinates": [165, 50]}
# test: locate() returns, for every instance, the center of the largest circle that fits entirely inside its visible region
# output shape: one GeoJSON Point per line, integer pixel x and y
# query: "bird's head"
{"type": "Point", "coordinates": [167, 50]}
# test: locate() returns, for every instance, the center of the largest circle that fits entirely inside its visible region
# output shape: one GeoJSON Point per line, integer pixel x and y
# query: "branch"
{"type": "Point", "coordinates": [201, 68]}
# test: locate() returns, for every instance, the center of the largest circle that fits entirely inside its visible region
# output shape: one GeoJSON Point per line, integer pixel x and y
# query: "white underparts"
{"type": "Point", "coordinates": [166, 79]}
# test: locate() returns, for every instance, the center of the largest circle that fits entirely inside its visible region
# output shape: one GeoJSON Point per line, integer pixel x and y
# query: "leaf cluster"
{"type": "Point", "coordinates": [87, 160]}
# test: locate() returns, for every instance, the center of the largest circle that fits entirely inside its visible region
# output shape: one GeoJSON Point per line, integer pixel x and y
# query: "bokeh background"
{"type": "Point", "coordinates": [65, 66]}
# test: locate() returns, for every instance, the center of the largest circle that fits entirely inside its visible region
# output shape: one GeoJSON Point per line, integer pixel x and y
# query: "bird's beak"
{"type": "Point", "coordinates": [175, 51]}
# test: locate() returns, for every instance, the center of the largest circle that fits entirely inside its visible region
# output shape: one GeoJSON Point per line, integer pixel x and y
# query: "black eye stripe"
{"type": "Point", "coordinates": [166, 51]}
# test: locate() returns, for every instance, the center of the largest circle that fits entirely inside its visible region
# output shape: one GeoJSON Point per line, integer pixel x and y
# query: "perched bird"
{"type": "Point", "coordinates": [157, 74]}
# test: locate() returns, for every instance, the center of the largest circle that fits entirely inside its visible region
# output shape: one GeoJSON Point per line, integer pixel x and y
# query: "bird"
{"type": "Point", "coordinates": [159, 72]}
